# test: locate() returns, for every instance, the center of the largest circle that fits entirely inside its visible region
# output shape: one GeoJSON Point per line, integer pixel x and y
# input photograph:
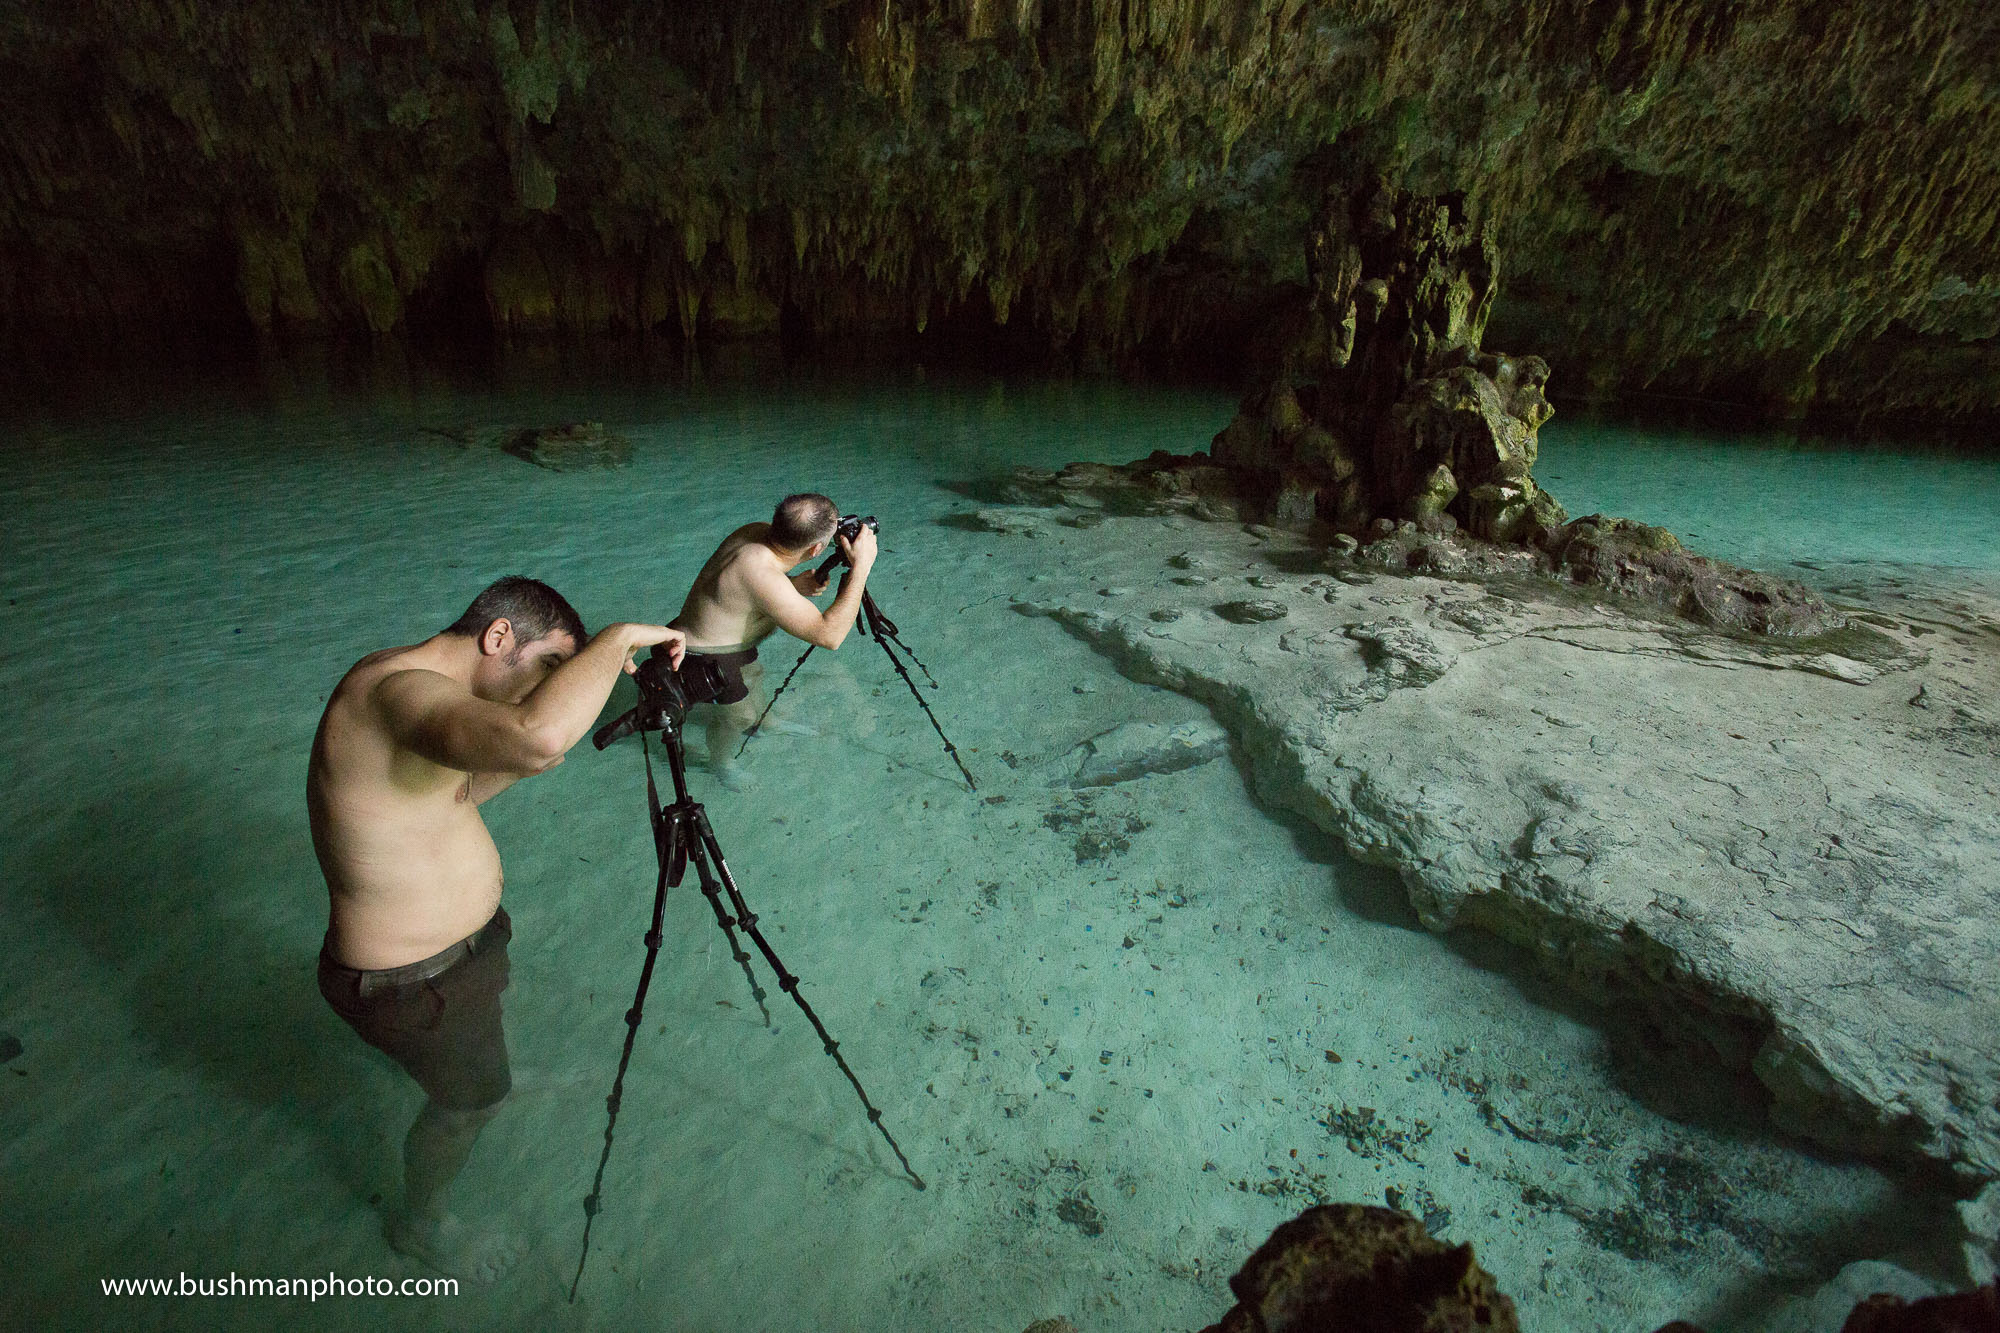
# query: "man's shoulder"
{"type": "Point", "coordinates": [747, 540]}
{"type": "Point", "coordinates": [392, 673]}
{"type": "Point", "coordinates": [743, 554]}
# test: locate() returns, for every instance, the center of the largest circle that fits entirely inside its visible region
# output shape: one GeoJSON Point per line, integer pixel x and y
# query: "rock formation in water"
{"type": "Point", "coordinates": [1975, 1311]}
{"type": "Point", "coordinates": [1353, 1268]}
{"type": "Point", "coordinates": [574, 446]}
{"type": "Point", "coordinates": [1376, 402]}
{"type": "Point", "coordinates": [1376, 413]}
{"type": "Point", "coordinates": [1629, 796]}
{"type": "Point", "coordinates": [1792, 205]}
{"type": "Point", "coordinates": [1622, 556]}
{"type": "Point", "coordinates": [1369, 1270]}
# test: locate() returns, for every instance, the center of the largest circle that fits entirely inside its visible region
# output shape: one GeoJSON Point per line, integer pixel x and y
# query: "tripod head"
{"type": "Point", "coordinates": [665, 695]}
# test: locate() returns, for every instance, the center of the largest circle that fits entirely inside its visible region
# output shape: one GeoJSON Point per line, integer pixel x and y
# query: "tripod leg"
{"type": "Point", "coordinates": [757, 726]}
{"type": "Point", "coordinates": [633, 1017]}
{"type": "Point", "coordinates": [881, 627]}
{"type": "Point", "coordinates": [949, 748]}
{"type": "Point", "coordinates": [789, 984]}
{"type": "Point", "coordinates": [711, 888]}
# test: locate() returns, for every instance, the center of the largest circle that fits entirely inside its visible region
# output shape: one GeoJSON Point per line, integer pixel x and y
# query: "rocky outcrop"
{"type": "Point", "coordinates": [1963, 1312]}
{"type": "Point", "coordinates": [1379, 403]}
{"type": "Point", "coordinates": [1458, 445]}
{"type": "Point", "coordinates": [1761, 842]}
{"type": "Point", "coordinates": [1370, 1270]}
{"type": "Point", "coordinates": [1622, 557]}
{"type": "Point", "coordinates": [1349, 1266]}
{"type": "Point", "coordinates": [1638, 560]}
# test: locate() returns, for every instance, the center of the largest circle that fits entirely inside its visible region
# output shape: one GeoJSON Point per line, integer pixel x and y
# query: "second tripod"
{"type": "Point", "coordinates": [880, 628]}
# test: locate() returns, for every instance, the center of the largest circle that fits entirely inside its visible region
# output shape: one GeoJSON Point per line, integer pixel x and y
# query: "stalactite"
{"type": "Point", "coordinates": [1678, 181]}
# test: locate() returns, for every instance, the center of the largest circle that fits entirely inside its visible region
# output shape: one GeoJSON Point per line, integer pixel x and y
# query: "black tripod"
{"type": "Point", "coordinates": [681, 833]}
{"type": "Point", "coordinates": [883, 630]}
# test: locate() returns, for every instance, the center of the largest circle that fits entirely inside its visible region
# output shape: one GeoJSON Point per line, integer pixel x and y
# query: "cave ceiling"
{"type": "Point", "coordinates": [1795, 200]}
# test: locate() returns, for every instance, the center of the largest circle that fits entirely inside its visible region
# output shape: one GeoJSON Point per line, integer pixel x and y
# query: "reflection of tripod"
{"type": "Point", "coordinates": [883, 630]}
{"type": "Point", "coordinates": [681, 833]}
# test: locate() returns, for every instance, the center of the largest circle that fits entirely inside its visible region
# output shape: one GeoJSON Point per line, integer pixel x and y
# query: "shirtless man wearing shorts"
{"type": "Point", "coordinates": [744, 593]}
{"type": "Point", "coordinates": [413, 740]}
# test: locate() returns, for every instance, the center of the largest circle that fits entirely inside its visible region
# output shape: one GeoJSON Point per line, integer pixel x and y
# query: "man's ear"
{"type": "Point", "coordinates": [496, 636]}
{"type": "Point", "coordinates": [817, 547]}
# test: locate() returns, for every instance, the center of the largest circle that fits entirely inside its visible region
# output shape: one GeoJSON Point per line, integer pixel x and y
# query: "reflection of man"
{"type": "Point", "coordinates": [746, 591]}
{"type": "Point", "coordinates": [413, 740]}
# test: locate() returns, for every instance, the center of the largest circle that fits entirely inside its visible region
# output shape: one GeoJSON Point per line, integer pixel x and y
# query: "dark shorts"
{"type": "Point", "coordinates": [731, 664]}
{"type": "Point", "coordinates": [441, 1025]}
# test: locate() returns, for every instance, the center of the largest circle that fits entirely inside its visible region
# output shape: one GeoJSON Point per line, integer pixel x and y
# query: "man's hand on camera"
{"type": "Point", "coordinates": [645, 636]}
{"type": "Point", "coordinates": [860, 552]}
{"type": "Point", "coordinates": [811, 583]}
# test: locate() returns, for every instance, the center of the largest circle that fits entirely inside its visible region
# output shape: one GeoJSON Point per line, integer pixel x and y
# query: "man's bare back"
{"type": "Point", "coordinates": [743, 593]}
{"type": "Point", "coordinates": [409, 865]}
{"type": "Point", "coordinates": [722, 608]}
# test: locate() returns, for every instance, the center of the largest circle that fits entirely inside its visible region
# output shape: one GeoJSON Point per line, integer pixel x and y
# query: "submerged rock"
{"type": "Point", "coordinates": [580, 446]}
{"type": "Point", "coordinates": [10, 1047]}
{"type": "Point", "coordinates": [1975, 1311]}
{"type": "Point", "coordinates": [1012, 522]}
{"type": "Point", "coordinates": [1980, 1217]}
{"type": "Point", "coordinates": [1134, 749]}
{"type": "Point", "coordinates": [1349, 1266]}
{"type": "Point", "coordinates": [1828, 1308]}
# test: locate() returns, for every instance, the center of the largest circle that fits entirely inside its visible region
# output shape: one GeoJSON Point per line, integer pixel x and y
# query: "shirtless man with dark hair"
{"type": "Point", "coordinates": [745, 592]}
{"type": "Point", "coordinates": [414, 739]}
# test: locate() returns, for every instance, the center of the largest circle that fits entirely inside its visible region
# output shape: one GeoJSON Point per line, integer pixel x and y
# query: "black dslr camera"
{"type": "Point", "coordinates": [850, 528]}
{"type": "Point", "coordinates": [665, 694]}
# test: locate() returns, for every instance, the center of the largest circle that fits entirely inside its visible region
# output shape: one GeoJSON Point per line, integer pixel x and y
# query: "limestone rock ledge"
{"type": "Point", "coordinates": [1788, 850]}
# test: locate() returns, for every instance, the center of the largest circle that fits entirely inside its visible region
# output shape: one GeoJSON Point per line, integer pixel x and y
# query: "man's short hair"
{"type": "Point", "coordinates": [535, 609]}
{"type": "Point", "coordinates": [800, 521]}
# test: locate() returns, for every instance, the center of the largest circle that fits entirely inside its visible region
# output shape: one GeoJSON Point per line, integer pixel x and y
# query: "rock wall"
{"type": "Point", "coordinates": [1794, 204]}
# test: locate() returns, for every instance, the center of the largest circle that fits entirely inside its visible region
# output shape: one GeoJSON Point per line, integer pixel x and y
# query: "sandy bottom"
{"type": "Point", "coordinates": [1123, 1032]}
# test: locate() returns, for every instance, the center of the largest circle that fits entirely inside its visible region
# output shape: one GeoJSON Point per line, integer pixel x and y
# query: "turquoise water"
{"type": "Point", "coordinates": [1818, 513]}
{"type": "Point", "coordinates": [1101, 1023]}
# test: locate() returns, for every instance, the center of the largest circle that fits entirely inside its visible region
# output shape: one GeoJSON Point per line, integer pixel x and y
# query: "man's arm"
{"type": "Point", "coordinates": [780, 599]}
{"type": "Point", "coordinates": [447, 724]}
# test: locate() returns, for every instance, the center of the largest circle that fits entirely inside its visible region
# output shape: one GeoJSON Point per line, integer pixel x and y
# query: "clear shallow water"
{"type": "Point", "coordinates": [1099, 1022]}
{"type": "Point", "coordinates": [1817, 513]}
